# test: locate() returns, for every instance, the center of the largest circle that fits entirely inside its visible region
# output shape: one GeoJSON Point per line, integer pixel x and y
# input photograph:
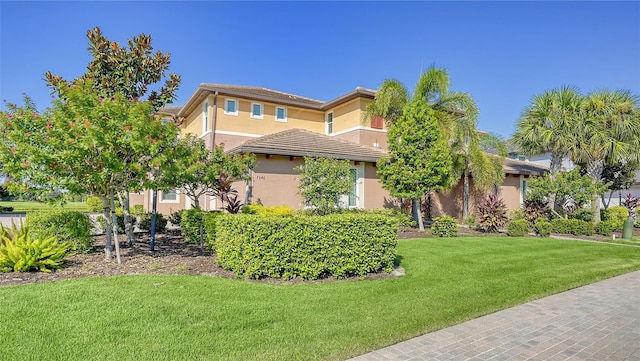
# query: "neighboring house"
{"type": "Point", "coordinates": [280, 129]}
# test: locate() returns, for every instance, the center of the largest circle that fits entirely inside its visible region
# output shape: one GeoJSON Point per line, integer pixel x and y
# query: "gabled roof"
{"type": "Point", "coordinates": [170, 110]}
{"type": "Point", "coordinates": [300, 143]}
{"type": "Point", "coordinates": [269, 95]}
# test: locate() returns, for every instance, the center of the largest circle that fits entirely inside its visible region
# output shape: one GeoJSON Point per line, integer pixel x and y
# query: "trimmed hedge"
{"type": "Point", "coordinates": [145, 222]}
{"type": "Point", "coordinates": [579, 228]}
{"type": "Point", "coordinates": [307, 247]}
{"type": "Point", "coordinates": [444, 227]}
{"type": "Point", "coordinates": [259, 209]}
{"type": "Point", "coordinates": [583, 214]}
{"type": "Point", "coordinates": [518, 228]}
{"type": "Point", "coordinates": [560, 226]}
{"type": "Point", "coordinates": [605, 228]}
{"type": "Point", "coordinates": [190, 223]}
{"type": "Point", "coordinates": [617, 215]}
{"type": "Point", "coordinates": [542, 228]}
{"type": "Point", "coordinates": [67, 226]}
{"type": "Point", "coordinates": [210, 229]}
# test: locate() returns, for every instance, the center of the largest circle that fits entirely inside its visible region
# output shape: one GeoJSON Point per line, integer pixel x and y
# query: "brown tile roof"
{"type": "Point", "coordinates": [261, 94]}
{"type": "Point", "coordinates": [299, 142]}
{"type": "Point", "coordinates": [170, 110]}
{"type": "Point", "coordinates": [513, 166]}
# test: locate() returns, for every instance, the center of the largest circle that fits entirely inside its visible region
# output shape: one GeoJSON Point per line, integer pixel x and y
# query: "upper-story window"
{"type": "Point", "coordinates": [329, 123]}
{"type": "Point", "coordinates": [231, 107]}
{"type": "Point", "coordinates": [169, 196]}
{"type": "Point", "coordinates": [205, 117]}
{"type": "Point", "coordinates": [281, 114]}
{"type": "Point", "coordinates": [257, 111]}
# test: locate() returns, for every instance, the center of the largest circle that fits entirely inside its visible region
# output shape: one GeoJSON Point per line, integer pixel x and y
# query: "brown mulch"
{"type": "Point", "coordinates": [172, 255]}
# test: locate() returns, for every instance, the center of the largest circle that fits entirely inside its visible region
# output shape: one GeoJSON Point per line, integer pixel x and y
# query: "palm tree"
{"type": "Point", "coordinates": [610, 134]}
{"type": "Point", "coordinates": [549, 125]}
{"type": "Point", "coordinates": [457, 115]}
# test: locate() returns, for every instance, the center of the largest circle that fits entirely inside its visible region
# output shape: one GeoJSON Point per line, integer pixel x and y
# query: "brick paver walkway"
{"type": "Point", "coordinates": [595, 322]}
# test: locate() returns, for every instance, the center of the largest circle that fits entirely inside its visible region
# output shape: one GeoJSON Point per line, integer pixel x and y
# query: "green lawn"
{"type": "Point", "coordinates": [205, 318]}
{"type": "Point", "coordinates": [23, 207]}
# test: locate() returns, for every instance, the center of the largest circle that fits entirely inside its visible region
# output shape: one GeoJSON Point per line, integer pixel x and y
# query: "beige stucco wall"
{"type": "Point", "coordinates": [346, 116]}
{"type": "Point", "coordinates": [368, 137]}
{"type": "Point", "coordinates": [510, 191]}
{"type": "Point", "coordinates": [275, 182]}
{"type": "Point", "coordinates": [375, 195]}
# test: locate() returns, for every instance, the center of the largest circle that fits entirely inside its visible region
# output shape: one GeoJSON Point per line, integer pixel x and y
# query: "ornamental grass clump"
{"type": "Point", "coordinates": [19, 252]}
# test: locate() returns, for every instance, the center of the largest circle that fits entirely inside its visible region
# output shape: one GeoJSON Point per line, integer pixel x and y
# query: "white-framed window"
{"type": "Point", "coordinates": [353, 194]}
{"type": "Point", "coordinates": [355, 197]}
{"type": "Point", "coordinates": [257, 111]}
{"type": "Point", "coordinates": [205, 117]}
{"type": "Point", "coordinates": [328, 123]}
{"type": "Point", "coordinates": [231, 107]}
{"type": "Point", "coordinates": [281, 114]}
{"type": "Point", "coordinates": [170, 196]}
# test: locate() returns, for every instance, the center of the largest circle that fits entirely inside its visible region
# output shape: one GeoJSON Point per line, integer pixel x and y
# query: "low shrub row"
{"type": "Point", "coordinates": [576, 227]}
{"type": "Point", "coordinates": [518, 228]}
{"type": "Point", "coordinates": [307, 247]}
{"type": "Point", "coordinates": [444, 227]}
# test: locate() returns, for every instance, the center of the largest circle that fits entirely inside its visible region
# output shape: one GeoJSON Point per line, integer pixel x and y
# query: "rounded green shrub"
{"type": "Point", "coordinates": [605, 228]}
{"type": "Point", "coordinates": [145, 222]}
{"type": "Point", "coordinates": [518, 228]}
{"type": "Point", "coordinates": [516, 214]}
{"type": "Point", "coordinates": [583, 214]}
{"type": "Point", "coordinates": [617, 215]}
{"type": "Point", "coordinates": [67, 226]}
{"type": "Point", "coordinates": [560, 226]}
{"type": "Point", "coordinates": [137, 210]}
{"type": "Point", "coordinates": [542, 228]}
{"type": "Point", "coordinates": [95, 204]}
{"type": "Point", "coordinates": [580, 228]}
{"type": "Point", "coordinates": [191, 223]}
{"type": "Point", "coordinates": [445, 226]}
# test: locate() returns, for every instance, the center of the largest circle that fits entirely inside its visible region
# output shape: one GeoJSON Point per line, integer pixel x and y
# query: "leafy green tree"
{"type": "Point", "coordinates": [323, 181]}
{"type": "Point", "coordinates": [548, 125]}
{"type": "Point", "coordinates": [617, 177]}
{"type": "Point", "coordinates": [456, 114]}
{"type": "Point", "coordinates": [418, 160]}
{"type": "Point", "coordinates": [130, 71]}
{"type": "Point", "coordinates": [200, 171]}
{"type": "Point", "coordinates": [83, 144]}
{"type": "Point", "coordinates": [572, 189]}
{"type": "Point", "coordinates": [609, 134]}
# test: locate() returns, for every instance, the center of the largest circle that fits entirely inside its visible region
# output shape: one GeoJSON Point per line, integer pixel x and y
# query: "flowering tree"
{"type": "Point", "coordinates": [85, 144]}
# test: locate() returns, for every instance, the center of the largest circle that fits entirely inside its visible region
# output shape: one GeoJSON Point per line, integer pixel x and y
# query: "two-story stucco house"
{"type": "Point", "coordinates": [281, 129]}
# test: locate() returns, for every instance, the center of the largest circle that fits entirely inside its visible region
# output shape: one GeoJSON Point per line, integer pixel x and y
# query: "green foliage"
{"type": "Point", "coordinates": [176, 218]}
{"type": "Point", "coordinates": [492, 214]}
{"type": "Point", "coordinates": [516, 214]}
{"type": "Point", "coordinates": [605, 228]}
{"type": "Point", "coordinates": [261, 210]}
{"type": "Point", "coordinates": [470, 221]}
{"type": "Point", "coordinates": [444, 227]}
{"type": "Point", "coordinates": [323, 181]}
{"type": "Point", "coordinates": [584, 214]}
{"type": "Point", "coordinates": [542, 228]}
{"type": "Point", "coordinates": [192, 224]}
{"type": "Point", "coordinates": [419, 159]}
{"type": "Point", "coordinates": [145, 222]}
{"type": "Point", "coordinates": [564, 185]}
{"type": "Point", "coordinates": [19, 252]}
{"type": "Point", "coordinates": [210, 229]}
{"type": "Point", "coordinates": [561, 226]}
{"type": "Point", "coordinates": [70, 227]}
{"type": "Point", "coordinates": [308, 247]}
{"type": "Point", "coordinates": [579, 227]}
{"type": "Point", "coordinates": [518, 228]}
{"type": "Point", "coordinates": [617, 215]}
{"type": "Point", "coordinates": [95, 204]}
{"type": "Point", "coordinates": [137, 210]}
{"type": "Point", "coordinates": [4, 209]}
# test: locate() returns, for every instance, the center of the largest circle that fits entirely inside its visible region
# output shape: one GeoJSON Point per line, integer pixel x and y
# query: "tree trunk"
{"type": "Point", "coordinates": [594, 169]}
{"type": "Point", "coordinates": [555, 167]}
{"type": "Point", "coordinates": [128, 219]}
{"type": "Point", "coordinates": [465, 195]}
{"type": "Point", "coordinates": [107, 228]}
{"type": "Point", "coordinates": [115, 226]}
{"type": "Point", "coordinates": [415, 206]}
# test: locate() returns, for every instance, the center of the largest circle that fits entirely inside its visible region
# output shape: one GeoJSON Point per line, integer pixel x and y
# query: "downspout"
{"type": "Point", "coordinates": [214, 120]}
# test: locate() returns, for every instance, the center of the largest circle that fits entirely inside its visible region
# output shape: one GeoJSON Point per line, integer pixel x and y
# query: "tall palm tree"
{"type": "Point", "coordinates": [549, 125]}
{"type": "Point", "coordinates": [457, 115]}
{"type": "Point", "coordinates": [610, 133]}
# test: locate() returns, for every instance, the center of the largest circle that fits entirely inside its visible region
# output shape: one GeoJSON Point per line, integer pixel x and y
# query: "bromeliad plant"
{"type": "Point", "coordinates": [20, 253]}
{"type": "Point", "coordinates": [631, 203]}
{"type": "Point", "coordinates": [492, 214]}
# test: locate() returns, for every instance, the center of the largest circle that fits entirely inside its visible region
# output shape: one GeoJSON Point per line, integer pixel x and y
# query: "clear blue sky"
{"type": "Point", "coordinates": [502, 53]}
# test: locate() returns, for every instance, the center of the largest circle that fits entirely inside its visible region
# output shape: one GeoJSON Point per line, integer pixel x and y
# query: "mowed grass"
{"type": "Point", "coordinates": [207, 318]}
{"type": "Point", "coordinates": [23, 207]}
